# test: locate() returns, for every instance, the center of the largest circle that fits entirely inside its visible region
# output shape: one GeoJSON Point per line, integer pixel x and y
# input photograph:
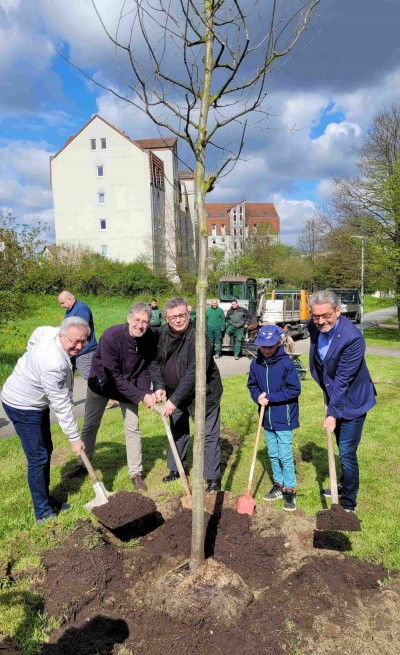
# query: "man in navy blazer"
{"type": "Point", "coordinates": [337, 364]}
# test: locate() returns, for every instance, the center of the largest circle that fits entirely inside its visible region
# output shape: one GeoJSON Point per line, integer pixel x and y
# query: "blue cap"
{"type": "Point", "coordinates": [269, 335]}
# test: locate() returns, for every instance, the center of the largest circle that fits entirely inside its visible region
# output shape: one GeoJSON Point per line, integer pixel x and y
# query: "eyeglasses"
{"type": "Point", "coordinates": [178, 317]}
{"type": "Point", "coordinates": [83, 342]}
{"type": "Point", "coordinates": [325, 317]}
{"type": "Point", "coordinates": [138, 321]}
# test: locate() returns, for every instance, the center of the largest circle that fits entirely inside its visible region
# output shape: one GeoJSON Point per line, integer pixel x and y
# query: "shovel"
{"type": "Point", "coordinates": [187, 502]}
{"type": "Point", "coordinates": [335, 518]}
{"type": "Point", "coordinates": [101, 493]}
{"type": "Point", "coordinates": [246, 503]}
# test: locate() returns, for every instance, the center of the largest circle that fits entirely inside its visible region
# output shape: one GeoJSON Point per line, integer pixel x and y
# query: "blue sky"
{"type": "Point", "coordinates": [321, 102]}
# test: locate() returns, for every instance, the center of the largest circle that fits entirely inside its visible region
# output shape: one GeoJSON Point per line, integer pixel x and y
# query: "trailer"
{"type": "Point", "coordinates": [288, 308]}
{"type": "Point", "coordinates": [350, 301]}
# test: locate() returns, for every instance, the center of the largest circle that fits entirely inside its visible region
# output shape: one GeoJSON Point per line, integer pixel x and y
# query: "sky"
{"type": "Point", "coordinates": [320, 103]}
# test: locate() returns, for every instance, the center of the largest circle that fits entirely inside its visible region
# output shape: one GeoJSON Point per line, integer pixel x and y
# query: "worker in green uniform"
{"type": "Point", "coordinates": [215, 326]}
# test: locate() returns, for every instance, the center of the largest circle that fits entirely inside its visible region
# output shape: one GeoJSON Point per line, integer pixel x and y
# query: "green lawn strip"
{"type": "Point", "coordinates": [382, 337]}
{"type": "Point", "coordinates": [21, 541]}
{"type": "Point", "coordinates": [371, 304]}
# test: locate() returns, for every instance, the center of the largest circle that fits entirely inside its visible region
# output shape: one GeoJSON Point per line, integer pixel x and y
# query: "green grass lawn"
{"type": "Point", "coordinates": [371, 303]}
{"type": "Point", "coordinates": [382, 337]}
{"type": "Point", "coordinates": [21, 541]}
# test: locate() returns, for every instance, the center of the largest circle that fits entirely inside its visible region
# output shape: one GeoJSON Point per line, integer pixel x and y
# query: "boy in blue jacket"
{"type": "Point", "coordinates": [273, 382]}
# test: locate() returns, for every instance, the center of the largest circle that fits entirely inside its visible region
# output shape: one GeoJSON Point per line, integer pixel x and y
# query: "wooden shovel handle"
{"type": "Point", "coordinates": [177, 458]}
{"type": "Point", "coordinates": [253, 461]}
{"type": "Point", "coordinates": [332, 468]}
{"type": "Point", "coordinates": [89, 467]}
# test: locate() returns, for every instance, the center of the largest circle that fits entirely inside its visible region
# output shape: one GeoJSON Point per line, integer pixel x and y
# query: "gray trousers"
{"type": "Point", "coordinates": [179, 421]}
{"type": "Point", "coordinates": [84, 363]}
{"type": "Point", "coordinates": [94, 410]}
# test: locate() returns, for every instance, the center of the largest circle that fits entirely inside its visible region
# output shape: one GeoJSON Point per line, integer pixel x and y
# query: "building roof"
{"type": "Point", "coordinates": [51, 249]}
{"type": "Point", "coordinates": [188, 174]}
{"type": "Point", "coordinates": [154, 144]}
{"type": "Point", "coordinates": [252, 209]}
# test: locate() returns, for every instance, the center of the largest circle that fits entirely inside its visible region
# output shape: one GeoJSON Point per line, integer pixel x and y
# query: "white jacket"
{"type": "Point", "coordinates": [44, 376]}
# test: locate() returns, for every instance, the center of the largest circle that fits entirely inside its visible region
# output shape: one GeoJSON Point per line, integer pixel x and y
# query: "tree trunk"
{"type": "Point", "coordinates": [198, 532]}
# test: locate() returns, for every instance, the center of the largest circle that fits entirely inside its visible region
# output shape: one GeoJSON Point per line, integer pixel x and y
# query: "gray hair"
{"type": "Point", "coordinates": [175, 302]}
{"type": "Point", "coordinates": [74, 321]}
{"type": "Point", "coordinates": [326, 296]}
{"type": "Point", "coordinates": [141, 307]}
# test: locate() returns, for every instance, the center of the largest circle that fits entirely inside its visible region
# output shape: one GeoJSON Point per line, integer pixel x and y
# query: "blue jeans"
{"type": "Point", "coordinates": [33, 429]}
{"type": "Point", "coordinates": [348, 435]}
{"type": "Point", "coordinates": [279, 444]}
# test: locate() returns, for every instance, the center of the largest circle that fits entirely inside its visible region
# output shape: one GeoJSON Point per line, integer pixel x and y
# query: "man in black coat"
{"type": "Point", "coordinates": [173, 375]}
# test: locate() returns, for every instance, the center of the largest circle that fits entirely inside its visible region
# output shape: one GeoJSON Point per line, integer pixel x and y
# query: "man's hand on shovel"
{"type": "Point", "coordinates": [149, 400]}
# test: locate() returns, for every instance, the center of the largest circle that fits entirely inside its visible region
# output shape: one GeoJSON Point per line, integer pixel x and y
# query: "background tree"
{"type": "Point", "coordinates": [195, 68]}
{"type": "Point", "coordinates": [19, 258]}
{"type": "Point", "coordinates": [370, 203]}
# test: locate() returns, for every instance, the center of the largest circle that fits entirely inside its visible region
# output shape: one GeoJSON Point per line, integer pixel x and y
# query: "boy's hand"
{"type": "Point", "coordinates": [262, 399]}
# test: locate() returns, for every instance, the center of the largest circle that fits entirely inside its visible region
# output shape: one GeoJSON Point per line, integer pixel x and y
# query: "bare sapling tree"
{"type": "Point", "coordinates": [197, 68]}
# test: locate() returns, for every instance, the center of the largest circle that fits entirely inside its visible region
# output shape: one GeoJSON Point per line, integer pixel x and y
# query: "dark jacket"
{"type": "Point", "coordinates": [276, 376]}
{"type": "Point", "coordinates": [82, 310]}
{"type": "Point", "coordinates": [120, 364]}
{"type": "Point", "coordinates": [156, 317]}
{"type": "Point", "coordinates": [183, 396]}
{"type": "Point", "coordinates": [238, 317]}
{"type": "Point", "coordinates": [343, 374]}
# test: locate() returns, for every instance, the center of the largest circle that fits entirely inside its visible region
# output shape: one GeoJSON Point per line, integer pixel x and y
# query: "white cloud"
{"type": "Point", "coordinates": [293, 214]}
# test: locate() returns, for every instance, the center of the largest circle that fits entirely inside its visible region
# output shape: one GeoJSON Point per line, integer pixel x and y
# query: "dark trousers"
{"type": "Point", "coordinates": [215, 339]}
{"type": "Point", "coordinates": [348, 435]}
{"type": "Point", "coordinates": [179, 421]}
{"type": "Point", "coordinates": [238, 335]}
{"type": "Point", "coordinates": [33, 429]}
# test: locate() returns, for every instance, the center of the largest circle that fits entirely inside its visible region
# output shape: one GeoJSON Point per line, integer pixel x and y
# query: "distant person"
{"type": "Point", "coordinates": [44, 377]}
{"type": "Point", "coordinates": [156, 315]}
{"type": "Point", "coordinates": [215, 326]}
{"type": "Point", "coordinates": [237, 320]}
{"type": "Point", "coordinates": [120, 371]}
{"type": "Point", "coordinates": [74, 307]}
{"type": "Point", "coordinates": [173, 373]}
{"type": "Point", "coordinates": [192, 313]}
{"type": "Point", "coordinates": [337, 364]}
{"type": "Point", "coordinates": [274, 383]}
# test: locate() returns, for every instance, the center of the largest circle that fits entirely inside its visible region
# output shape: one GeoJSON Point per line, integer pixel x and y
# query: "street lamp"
{"type": "Point", "coordinates": [358, 236]}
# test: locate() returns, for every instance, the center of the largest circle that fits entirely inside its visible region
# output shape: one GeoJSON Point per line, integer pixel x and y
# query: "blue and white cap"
{"type": "Point", "coordinates": [269, 335]}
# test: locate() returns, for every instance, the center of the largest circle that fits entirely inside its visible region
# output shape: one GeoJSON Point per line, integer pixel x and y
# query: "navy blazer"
{"type": "Point", "coordinates": [345, 376]}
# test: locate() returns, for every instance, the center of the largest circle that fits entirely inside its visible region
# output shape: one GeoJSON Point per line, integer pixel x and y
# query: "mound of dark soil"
{"type": "Point", "coordinates": [124, 507]}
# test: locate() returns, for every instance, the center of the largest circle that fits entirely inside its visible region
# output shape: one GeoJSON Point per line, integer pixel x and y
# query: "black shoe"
{"type": "Point", "coordinates": [78, 471]}
{"type": "Point", "coordinates": [327, 492]}
{"type": "Point", "coordinates": [214, 486]}
{"type": "Point", "coordinates": [289, 496]}
{"type": "Point", "coordinates": [172, 475]}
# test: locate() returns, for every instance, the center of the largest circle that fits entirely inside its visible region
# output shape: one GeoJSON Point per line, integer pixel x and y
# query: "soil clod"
{"type": "Point", "coordinates": [124, 507]}
{"type": "Point", "coordinates": [336, 518]}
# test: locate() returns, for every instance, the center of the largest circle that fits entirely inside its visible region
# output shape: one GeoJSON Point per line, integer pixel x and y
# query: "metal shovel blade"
{"type": "Point", "coordinates": [101, 496]}
{"type": "Point", "coordinates": [246, 504]}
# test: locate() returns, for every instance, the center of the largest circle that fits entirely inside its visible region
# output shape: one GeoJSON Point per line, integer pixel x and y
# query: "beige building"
{"type": "Point", "coordinates": [120, 197]}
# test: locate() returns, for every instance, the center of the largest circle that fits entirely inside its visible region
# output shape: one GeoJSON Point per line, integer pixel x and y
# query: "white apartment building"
{"type": "Point", "coordinates": [119, 196]}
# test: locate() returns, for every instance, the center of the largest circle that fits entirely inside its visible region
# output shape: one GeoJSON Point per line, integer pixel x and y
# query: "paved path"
{"type": "Point", "coordinates": [227, 365]}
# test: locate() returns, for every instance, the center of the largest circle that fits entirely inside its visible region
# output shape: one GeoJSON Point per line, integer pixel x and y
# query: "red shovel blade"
{"type": "Point", "coordinates": [246, 504]}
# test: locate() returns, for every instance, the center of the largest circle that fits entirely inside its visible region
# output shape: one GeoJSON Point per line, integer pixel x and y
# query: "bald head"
{"type": "Point", "coordinates": [66, 299]}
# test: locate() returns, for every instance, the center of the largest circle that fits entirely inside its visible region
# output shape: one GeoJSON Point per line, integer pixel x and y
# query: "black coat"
{"type": "Point", "coordinates": [183, 396]}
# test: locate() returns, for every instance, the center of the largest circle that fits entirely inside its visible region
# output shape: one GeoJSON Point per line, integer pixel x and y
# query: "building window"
{"type": "Point", "coordinates": [100, 171]}
{"type": "Point", "coordinates": [255, 226]}
{"type": "Point", "coordinates": [102, 198]}
{"type": "Point", "coordinates": [223, 230]}
{"type": "Point", "coordinates": [213, 230]}
{"type": "Point", "coordinates": [103, 224]}
{"type": "Point", "coordinates": [103, 250]}
{"type": "Point", "coordinates": [103, 143]}
{"type": "Point", "coordinates": [223, 239]}
{"type": "Point", "coordinates": [93, 144]}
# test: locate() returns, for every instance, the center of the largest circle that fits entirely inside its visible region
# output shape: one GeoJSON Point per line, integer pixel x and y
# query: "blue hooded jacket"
{"type": "Point", "coordinates": [278, 377]}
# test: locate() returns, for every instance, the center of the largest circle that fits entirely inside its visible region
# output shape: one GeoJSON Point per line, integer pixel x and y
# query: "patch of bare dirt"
{"type": "Point", "coordinates": [308, 596]}
{"type": "Point", "coordinates": [124, 507]}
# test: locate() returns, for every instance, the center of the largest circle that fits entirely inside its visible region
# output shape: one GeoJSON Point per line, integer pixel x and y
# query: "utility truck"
{"type": "Point", "coordinates": [244, 290]}
{"type": "Point", "coordinates": [288, 308]}
{"type": "Point", "coordinates": [350, 301]}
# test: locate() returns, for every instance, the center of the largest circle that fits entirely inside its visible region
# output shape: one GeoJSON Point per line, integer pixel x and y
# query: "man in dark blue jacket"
{"type": "Point", "coordinates": [74, 307]}
{"type": "Point", "coordinates": [337, 364]}
{"type": "Point", "coordinates": [120, 371]}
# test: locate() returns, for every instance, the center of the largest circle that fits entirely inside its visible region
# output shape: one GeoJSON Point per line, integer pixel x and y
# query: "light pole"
{"type": "Point", "coordinates": [358, 236]}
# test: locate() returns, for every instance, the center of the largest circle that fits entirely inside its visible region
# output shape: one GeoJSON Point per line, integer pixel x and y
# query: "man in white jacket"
{"type": "Point", "coordinates": [44, 376]}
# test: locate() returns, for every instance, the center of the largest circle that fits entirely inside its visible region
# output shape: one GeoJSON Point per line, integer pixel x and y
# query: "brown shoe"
{"type": "Point", "coordinates": [139, 483]}
{"type": "Point", "coordinates": [111, 403]}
